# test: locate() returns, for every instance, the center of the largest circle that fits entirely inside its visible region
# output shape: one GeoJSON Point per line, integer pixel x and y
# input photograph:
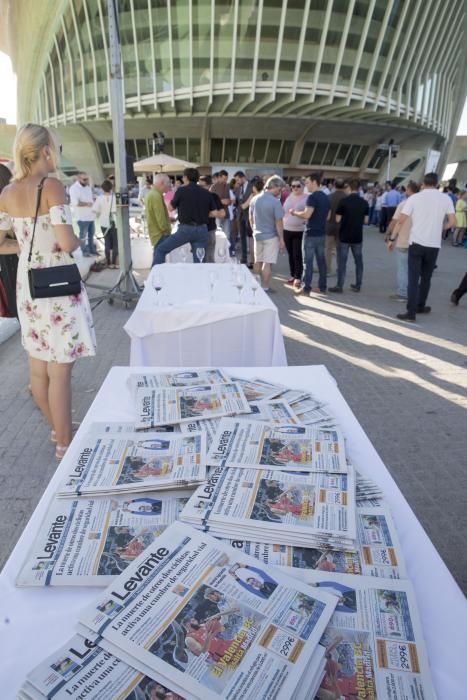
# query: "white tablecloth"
{"type": "Point", "coordinates": [184, 254]}
{"type": "Point", "coordinates": [33, 622]}
{"type": "Point", "coordinates": [187, 327]}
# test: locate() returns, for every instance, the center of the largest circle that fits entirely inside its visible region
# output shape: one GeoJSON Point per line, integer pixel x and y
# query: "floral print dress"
{"type": "Point", "coordinates": [59, 329]}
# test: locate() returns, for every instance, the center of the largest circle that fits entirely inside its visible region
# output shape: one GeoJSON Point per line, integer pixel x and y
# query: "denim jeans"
{"type": "Point", "coordinates": [161, 240]}
{"type": "Point", "coordinates": [402, 270]}
{"type": "Point", "coordinates": [422, 261]}
{"type": "Point", "coordinates": [186, 233]}
{"type": "Point", "coordinates": [342, 255]}
{"type": "Point", "coordinates": [86, 236]}
{"type": "Point", "coordinates": [314, 245]}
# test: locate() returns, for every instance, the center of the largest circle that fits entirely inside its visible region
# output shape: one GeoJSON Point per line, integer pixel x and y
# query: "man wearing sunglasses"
{"type": "Point", "coordinates": [82, 200]}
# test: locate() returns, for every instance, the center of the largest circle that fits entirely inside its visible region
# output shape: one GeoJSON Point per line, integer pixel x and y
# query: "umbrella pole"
{"type": "Point", "coordinates": [126, 288]}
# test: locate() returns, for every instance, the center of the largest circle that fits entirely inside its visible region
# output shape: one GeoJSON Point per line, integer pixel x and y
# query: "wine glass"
{"type": "Point", "coordinates": [158, 283]}
{"type": "Point", "coordinates": [239, 283]}
{"type": "Point", "coordinates": [255, 283]}
{"type": "Point", "coordinates": [200, 252]}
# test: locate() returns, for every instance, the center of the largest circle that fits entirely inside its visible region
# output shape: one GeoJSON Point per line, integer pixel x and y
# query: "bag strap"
{"type": "Point", "coordinates": [38, 203]}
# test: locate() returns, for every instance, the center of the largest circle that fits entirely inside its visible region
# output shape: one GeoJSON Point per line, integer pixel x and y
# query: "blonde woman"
{"type": "Point", "coordinates": [55, 331]}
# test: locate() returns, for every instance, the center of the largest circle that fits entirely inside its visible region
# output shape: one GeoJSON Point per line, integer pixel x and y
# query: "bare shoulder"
{"type": "Point", "coordinates": [54, 192]}
{"type": "Point", "coordinates": [5, 196]}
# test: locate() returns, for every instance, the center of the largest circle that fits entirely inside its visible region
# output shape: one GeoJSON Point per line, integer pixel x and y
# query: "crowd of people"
{"type": "Point", "coordinates": [311, 219]}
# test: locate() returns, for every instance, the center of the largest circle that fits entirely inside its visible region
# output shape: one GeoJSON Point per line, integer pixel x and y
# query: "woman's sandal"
{"type": "Point", "coordinates": [60, 451]}
{"type": "Point", "coordinates": [53, 434]}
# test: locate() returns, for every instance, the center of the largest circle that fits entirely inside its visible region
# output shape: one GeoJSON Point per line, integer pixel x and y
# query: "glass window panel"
{"type": "Point", "coordinates": [130, 148]}
{"type": "Point", "coordinates": [361, 156]}
{"type": "Point", "coordinates": [103, 152]}
{"type": "Point", "coordinates": [287, 150]}
{"type": "Point", "coordinates": [342, 154]}
{"type": "Point", "coordinates": [216, 150]}
{"type": "Point", "coordinates": [180, 148]}
{"type": "Point", "coordinates": [110, 147]}
{"type": "Point", "coordinates": [351, 156]}
{"type": "Point", "coordinates": [274, 149]}
{"type": "Point", "coordinates": [142, 148]}
{"type": "Point", "coordinates": [259, 150]}
{"type": "Point", "coordinates": [319, 153]}
{"type": "Point", "coordinates": [194, 150]}
{"type": "Point", "coordinates": [331, 154]}
{"type": "Point", "coordinates": [245, 150]}
{"type": "Point", "coordinates": [230, 151]}
{"type": "Point", "coordinates": [307, 152]}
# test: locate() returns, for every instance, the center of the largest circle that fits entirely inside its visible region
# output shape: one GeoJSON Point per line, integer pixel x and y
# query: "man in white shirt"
{"type": "Point", "coordinates": [81, 200]}
{"type": "Point", "coordinates": [428, 210]}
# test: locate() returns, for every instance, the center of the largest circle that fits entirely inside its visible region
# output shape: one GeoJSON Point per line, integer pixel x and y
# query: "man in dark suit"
{"type": "Point", "coordinates": [243, 194]}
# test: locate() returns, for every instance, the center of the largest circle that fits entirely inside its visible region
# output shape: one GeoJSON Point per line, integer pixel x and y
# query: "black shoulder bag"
{"type": "Point", "coordinates": [58, 281]}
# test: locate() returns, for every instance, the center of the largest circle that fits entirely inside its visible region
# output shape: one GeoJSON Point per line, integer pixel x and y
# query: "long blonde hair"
{"type": "Point", "coordinates": [29, 141]}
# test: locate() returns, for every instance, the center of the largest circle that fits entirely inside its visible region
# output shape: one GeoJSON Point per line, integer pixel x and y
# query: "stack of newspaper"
{"type": "Point", "coordinates": [210, 622]}
{"type": "Point", "coordinates": [378, 551]}
{"type": "Point", "coordinates": [123, 462]}
{"type": "Point", "coordinates": [374, 641]}
{"type": "Point", "coordinates": [82, 669]}
{"type": "Point", "coordinates": [315, 509]}
{"type": "Point", "coordinates": [87, 542]}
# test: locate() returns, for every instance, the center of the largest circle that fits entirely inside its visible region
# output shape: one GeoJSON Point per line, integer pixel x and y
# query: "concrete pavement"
{"type": "Point", "coordinates": [407, 385]}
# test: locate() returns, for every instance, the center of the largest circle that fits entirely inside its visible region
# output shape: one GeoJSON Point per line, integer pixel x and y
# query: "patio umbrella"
{"type": "Point", "coordinates": [161, 163]}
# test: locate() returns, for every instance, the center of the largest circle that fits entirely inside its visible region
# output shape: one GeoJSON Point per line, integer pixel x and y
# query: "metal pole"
{"type": "Point", "coordinates": [389, 162]}
{"type": "Point", "coordinates": [127, 284]}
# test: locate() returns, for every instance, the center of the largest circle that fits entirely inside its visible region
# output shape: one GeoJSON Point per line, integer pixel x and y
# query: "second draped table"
{"type": "Point", "coordinates": [196, 319]}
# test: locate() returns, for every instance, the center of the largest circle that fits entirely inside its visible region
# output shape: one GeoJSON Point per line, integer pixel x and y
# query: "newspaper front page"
{"type": "Point", "coordinates": [87, 542]}
{"type": "Point", "coordinates": [273, 411]}
{"type": "Point", "coordinates": [259, 389]}
{"type": "Point", "coordinates": [244, 443]}
{"type": "Point", "coordinates": [167, 406]}
{"type": "Point", "coordinates": [208, 426]}
{"type": "Point", "coordinates": [374, 641]}
{"type": "Point", "coordinates": [378, 550]}
{"type": "Point", "coordinates": [276, 507]}
{"type": "Point", "coordinates": [135, 461]}
{"type": "Point", "coordinates": [211, 621]}
{"type": "Point", "coordinates": [81, 669]}
{"type": "Point", "coordinates": [185, 377]}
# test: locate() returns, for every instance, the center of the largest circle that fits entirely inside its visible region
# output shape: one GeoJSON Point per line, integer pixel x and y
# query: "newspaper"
{"type": "Point", "coordinates": [241, 442]}
{"type": "Point", "coordinates": [210, 621]}
{"type": "Point", "coordinates": [132, 462]}
{"type": "Point", "coordinates": [82, 669]}
{"type": "Point", "coordinates": [310, 411]}
{"type": "Point", "coordinates": [374, 642]}
{"type": "Point", "coordinates": [378, 551]}
{"type": "Point", "coordinates": [208, 426]}
{"type": "Point", "coordinates": [185, 377]}
{"type": "Point", "coordinates": [259, 389]}
{"type": "Point", "coordinates": [276, 507]}
{"type": "Point", "coordinates": [87, 542]}
{"type": "Point", "coordinates": [273, 411]}
{"type": "Point", "coordinates": [102, 427]}
{"type": "Point", "coordinates": [166, 406]}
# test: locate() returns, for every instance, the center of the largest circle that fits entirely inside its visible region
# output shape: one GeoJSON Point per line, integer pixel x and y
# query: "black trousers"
{"type": "Point", "coordinates": [383, 219]}
{"type": "Point", "coordinates": [422, 261]}
{"type": "Point", "coordinates": [462, 288]}
{"type": "Point", "coordinates": [293, 244]}
{"type": "Point", "coordinates": [110, 244]}
{"type": "Point", "coordinates": [8, 268]}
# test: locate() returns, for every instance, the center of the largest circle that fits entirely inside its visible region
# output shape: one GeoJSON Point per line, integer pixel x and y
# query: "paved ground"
{"type": "Point", "coordinates": [407, 384]}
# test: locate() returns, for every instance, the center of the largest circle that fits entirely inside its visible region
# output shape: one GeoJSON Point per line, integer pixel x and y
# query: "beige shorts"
{"type": "Point", "coordinates": [267, 251]}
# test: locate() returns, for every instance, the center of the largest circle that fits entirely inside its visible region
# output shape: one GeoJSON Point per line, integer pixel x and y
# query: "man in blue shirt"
{"type": "Point", "coordinates": [391, 200]}
{"type": "Point", "coordinates": [315, 214]}
{"type": "Point", "coordinates": [266, 220]}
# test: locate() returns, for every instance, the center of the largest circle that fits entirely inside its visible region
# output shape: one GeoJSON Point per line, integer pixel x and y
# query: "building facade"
{"type": "Point", "coordinates": [293, 85]}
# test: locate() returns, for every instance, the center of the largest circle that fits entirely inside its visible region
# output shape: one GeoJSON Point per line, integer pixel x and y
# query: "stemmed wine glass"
{"type": "Point", "coordinates": [239, 282]}
{"type": "Point", "coordinates": [200, 252]}
{"type": "Point", "coordinates": [158, 284]}
{"type": "Point", "coordinates": [255, 282]}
